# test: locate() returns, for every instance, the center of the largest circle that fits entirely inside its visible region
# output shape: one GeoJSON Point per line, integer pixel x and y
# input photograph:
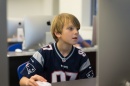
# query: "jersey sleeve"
{"type": "Point", "coordinates": [85, 69]}
{"type": "Point", "coordinates": [34, 66]}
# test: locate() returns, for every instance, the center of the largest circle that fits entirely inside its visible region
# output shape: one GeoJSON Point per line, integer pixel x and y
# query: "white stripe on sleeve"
{"type": "Point", "coordinates": [85, 65]}
{"type": "Point", "coordinates": [39, 58]}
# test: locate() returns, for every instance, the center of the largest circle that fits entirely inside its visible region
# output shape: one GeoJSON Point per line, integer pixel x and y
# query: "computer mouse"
{"type": "Point", "coordinates": [43, 83]}
{"type": "Point", "coordinates": [18, 50]}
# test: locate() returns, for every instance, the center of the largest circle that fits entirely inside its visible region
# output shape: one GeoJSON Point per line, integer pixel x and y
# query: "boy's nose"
{"type": "Point", "coordinates": [76, 31]}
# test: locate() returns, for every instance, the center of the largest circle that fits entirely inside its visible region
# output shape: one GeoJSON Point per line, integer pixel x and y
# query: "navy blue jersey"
{"type": "Point", "coordinates": [53, 66]}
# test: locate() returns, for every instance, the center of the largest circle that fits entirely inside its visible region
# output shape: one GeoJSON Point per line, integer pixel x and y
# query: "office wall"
{"type": "Point", "coordinates": [80, 8]}
{"type": "Point", "coordinates": [86, 32]}
{"type": "Point", "coordinates": [21, 8]}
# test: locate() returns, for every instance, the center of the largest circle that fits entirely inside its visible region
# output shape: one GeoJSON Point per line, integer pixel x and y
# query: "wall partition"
{"type": "Point", "coordinates": [3, 45]}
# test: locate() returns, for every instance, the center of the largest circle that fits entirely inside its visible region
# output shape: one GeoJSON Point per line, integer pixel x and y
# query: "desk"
{"type": "Point", "coordinates": [19, 54]}
{"type": "Point", "coordinates": [15, 59]}
{"type": "Point", "coordinates": [90, 49]}
{"type": "Point", "coordinates": [81, 82]}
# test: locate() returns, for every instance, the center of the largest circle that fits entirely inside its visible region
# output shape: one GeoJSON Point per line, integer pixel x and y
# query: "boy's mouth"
{"type": "Point", "coordinates": [74, 38]}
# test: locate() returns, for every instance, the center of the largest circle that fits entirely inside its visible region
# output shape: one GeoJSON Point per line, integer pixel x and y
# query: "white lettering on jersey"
{"type": "Point", "coordinates": [63, 75]}
{"type": "Point", "coordinates": [58, 73]}
{"type": "Point", "coordinates": [30, 68]}
{"type": "Point", "coordinates": [48, 47]}
{"type": "Point", "coordinates": [81, 53]}
{"type": "Point", "coordinates": [63, 66]}
{"type": "Point", "coordinates": [72, 75]}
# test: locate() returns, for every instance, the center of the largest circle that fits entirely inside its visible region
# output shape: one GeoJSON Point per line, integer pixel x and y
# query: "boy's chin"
{"type": "Point", "coordinates": [72, 43]}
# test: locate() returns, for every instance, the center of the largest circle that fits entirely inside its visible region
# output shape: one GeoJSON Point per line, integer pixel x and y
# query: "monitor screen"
{"type": "Point", "coordinates": [35, 28]}
{"type": "Point", "coordinates": [12, 25]}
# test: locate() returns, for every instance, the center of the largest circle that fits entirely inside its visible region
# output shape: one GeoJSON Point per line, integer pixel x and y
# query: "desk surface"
{"type": "Point", "coordinates": [82, 82]}
{"type": "Point", "coordinates": [23, 53]}
{"type": "Point", "coordinates": [90, 49]}
{"type": "Point", "coordinates": [29, 53]}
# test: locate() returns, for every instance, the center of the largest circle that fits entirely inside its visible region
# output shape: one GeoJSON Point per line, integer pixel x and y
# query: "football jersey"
{"type": "Point", "coordinates": [53, 66]}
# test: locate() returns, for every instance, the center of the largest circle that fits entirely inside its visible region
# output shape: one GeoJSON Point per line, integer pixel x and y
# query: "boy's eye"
{"type": "Point", "coordinates": [70, 28]}
{"type": "Point", "coordinates": [78, 29]}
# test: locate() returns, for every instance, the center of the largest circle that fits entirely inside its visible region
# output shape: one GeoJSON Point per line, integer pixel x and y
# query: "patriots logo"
{"type": "Point", "coordinates": [30, 68]}
{"type": "Point", "coordinates": [90, 74]}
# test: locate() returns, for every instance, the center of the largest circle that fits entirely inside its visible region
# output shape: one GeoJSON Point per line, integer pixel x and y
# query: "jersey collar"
{"type": "Point", "coordinates": [64, 59]}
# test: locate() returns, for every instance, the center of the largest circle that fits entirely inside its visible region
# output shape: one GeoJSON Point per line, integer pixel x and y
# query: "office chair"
{"type": "Point", "coordinates": [19, 69]}
{"type": "Point", "coordinates": [15, 46]}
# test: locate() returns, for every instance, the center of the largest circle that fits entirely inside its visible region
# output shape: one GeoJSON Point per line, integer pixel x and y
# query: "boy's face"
{"type": "Point", "coordinates": [69, 34]}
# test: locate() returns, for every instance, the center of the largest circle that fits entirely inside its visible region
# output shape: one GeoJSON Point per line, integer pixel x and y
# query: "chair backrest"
{"type": "Point", "coordinates": [15, 46]}
{"type": "Point", "coordinates": [19, 69]}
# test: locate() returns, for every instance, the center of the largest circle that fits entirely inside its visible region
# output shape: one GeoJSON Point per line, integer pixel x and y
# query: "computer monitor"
{"type": "Point", "coordinates": [35, 28]}
{"type": "Point", "coordinates": [94, 32]}
{"type": "Point", "coordinates": [12, 25]}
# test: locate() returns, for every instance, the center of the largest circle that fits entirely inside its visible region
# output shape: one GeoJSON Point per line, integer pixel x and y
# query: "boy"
{"type": "Point", "coordinates": [59, 61]}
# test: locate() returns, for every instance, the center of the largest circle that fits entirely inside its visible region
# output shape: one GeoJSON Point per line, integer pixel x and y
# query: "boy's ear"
{"type": "Point", "coordinates": [57, 34]}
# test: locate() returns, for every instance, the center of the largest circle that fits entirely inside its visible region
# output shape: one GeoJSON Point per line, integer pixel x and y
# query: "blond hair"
{"type": "Point", "coordinates": [60, 20]}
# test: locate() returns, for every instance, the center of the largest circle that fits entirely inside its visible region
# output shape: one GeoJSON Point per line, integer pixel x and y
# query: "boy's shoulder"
{"type": "Point", "coordinates": [48, 47]}
{"type": "Point", "coordinates": [78, 49]}
{"type": "Point", "coordinates": [80, 52]}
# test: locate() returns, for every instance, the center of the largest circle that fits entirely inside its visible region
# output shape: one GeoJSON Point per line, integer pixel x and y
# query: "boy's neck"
{"type": "Point", "coordinates": [64, 48]}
